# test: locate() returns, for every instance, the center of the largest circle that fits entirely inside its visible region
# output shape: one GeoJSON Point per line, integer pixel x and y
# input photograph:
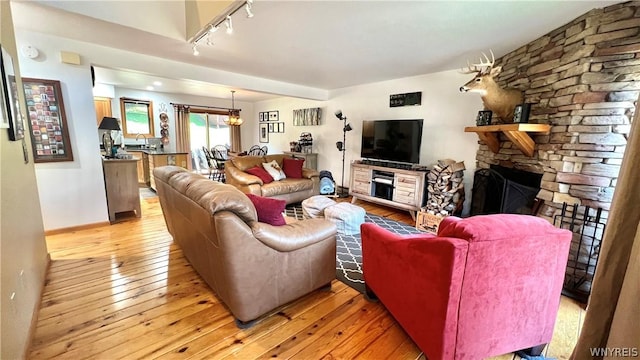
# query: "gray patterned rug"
{"type": "Point", "coordinates": [349, 249]}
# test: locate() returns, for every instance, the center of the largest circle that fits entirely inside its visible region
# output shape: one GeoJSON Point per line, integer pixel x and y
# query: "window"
{"type": "Point", "coordinates": [137, 117]}
{"type": "Point", "coordinates": [207, 129]}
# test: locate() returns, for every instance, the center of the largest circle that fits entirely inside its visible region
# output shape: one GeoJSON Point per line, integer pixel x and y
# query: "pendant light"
{"type": "Point", "coordinates": [234, 114]}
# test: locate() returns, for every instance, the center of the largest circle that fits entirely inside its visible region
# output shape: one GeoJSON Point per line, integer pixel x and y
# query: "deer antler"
{"type": "Point", "coordinates": [471, 69]}
{"type": "Point", "coordinates": [486, 62]}
{"type": "Point", "coordinates": [478, 67]}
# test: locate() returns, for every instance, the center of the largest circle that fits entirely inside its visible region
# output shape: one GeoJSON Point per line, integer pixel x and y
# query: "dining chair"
{"type": "Point", "coordinates": [255, 151]}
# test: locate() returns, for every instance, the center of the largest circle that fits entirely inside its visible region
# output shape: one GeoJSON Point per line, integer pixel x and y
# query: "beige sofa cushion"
{"type": "Point", "coordinates": [286, 186]}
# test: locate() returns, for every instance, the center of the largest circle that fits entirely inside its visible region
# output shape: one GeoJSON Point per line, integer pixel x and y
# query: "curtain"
{"type": "Point", "coordinates": [236, 142]}
{"type": "Point", "coordinates": [612, 321]}
{"type": "Point", "coordinates": [183, 141]}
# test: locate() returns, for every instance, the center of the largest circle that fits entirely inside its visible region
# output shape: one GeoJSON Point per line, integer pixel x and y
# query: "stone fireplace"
{"type": "Point", "coordinates": [583, 79]}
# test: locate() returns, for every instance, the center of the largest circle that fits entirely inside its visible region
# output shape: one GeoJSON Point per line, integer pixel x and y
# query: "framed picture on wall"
{"type": "Point", "coordinates": [11, 100]}
{"type": "Point", "coordinates": [521, 113]}
{"type": "Point", "coordinates": [47, 120]}
{"type": "Point", "coordinates": [264, 133]}
{"type": "Point", "coordinates": [484, 117]}
{"type": "Point", "coordinates": [273, 115]}
{"type": "Point", "coordinates": [4, 116]}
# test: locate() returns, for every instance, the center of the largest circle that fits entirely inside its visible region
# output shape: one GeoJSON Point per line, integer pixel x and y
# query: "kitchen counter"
{"type": "Point", "coordinates": [152, 158]}
{"type": "Point", "coordinates": [153, 151]}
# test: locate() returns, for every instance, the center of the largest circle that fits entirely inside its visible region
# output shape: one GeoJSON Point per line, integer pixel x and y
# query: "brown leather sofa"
{"type": "Point", "coordinates": [253, 267]}
{"type": "Point", "coordinates": [290, 190]}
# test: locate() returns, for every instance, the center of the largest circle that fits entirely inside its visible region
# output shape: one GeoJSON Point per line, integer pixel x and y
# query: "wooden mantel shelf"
{"type": "Point", "coordinates": [517, 133]}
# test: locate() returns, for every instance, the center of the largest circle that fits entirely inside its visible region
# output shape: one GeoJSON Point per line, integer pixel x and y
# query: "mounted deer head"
{"type": "Point", "coordinates": [501, 101]}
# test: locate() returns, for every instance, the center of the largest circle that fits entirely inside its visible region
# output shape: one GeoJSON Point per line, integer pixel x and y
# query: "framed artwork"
{"type": "Point", "coordinates": [484, 117]}
{"type": "Point", "coordinates": [273, 116]}
{"type": "Point", "coordinates": [281, 127]}
{"type": "Point", "coordinates": [47, 120]}
{"type": "Point", "coordinates": [264, 133]}
{"type": "Point", "coordinates": [263, 116]}
{"type": "Point", "coordinates": [4, 117]}
{"type": "Point", "coordinates": [271, 127]}
{"type": "Point", "coordinates": [10, 97]}
{"type": "Point", "coordinates": [521, 113]}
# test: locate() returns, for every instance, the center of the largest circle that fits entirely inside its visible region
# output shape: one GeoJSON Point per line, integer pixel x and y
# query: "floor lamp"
{"type": "Point", "coordinates": [342, 146]}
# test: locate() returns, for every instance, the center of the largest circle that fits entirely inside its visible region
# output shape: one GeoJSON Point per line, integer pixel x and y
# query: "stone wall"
{"type": "Point", "coordinates": [583, 79]}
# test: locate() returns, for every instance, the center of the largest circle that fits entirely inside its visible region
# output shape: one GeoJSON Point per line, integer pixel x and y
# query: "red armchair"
{"type": "Point", "coordinates": [485, 286]}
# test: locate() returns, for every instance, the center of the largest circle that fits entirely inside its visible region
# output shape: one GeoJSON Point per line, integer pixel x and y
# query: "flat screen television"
{"type": "Point", "coordinates": [392, 140]}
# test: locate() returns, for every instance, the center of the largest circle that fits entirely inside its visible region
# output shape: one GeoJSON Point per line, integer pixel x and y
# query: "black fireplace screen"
{"type": "Point", "coordinates": [499, 191]}
{"type": "Point", "coordinates": [587, 226]}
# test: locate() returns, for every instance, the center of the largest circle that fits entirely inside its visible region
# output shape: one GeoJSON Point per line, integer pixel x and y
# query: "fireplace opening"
{"type": "Point", "coordinates": [501, 190]}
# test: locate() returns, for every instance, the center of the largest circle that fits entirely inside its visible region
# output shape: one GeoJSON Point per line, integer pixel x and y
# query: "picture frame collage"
{"type": "Point", "coordinates": [268, 123]}
{"type": "Point", "coordinates": [269, 115]}
{"type": "Point", "coordinates": [47, 119]}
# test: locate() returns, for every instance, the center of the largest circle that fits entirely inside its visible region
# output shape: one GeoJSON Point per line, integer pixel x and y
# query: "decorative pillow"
{"type": "Point", "coordinates": [269, 210]}
{"type": "Point", "coordinates": [292, 167]}
{"type": "Point", "coordinates": [261, 173]}
{"type": "Point", "coordinates": [274, 170]}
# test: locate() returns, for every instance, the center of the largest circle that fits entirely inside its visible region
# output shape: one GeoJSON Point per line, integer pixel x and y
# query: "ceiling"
{"type": "Point", "coordinates": [322, 45]}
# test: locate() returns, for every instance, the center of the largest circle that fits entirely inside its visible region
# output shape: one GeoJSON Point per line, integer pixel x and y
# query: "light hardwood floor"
{"type": "Point", "coordinates": [125, 291]}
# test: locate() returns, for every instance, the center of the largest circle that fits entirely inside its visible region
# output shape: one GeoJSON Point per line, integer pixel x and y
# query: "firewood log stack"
{"type": "Point", "coordinates": [445, 188]}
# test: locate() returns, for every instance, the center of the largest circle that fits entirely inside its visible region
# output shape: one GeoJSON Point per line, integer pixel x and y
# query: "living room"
{"type": "Point", "coordinates": [445, 110]}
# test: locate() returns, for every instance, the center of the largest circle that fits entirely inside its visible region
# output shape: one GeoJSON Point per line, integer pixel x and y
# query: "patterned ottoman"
{"type": "Point", "coordinates": [314, 206]}
{"type": "Point", "coordinates": [347, 217]}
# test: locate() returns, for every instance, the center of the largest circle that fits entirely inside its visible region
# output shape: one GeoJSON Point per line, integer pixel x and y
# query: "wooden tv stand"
{"type": "Point", "coordinates": [399, 188]}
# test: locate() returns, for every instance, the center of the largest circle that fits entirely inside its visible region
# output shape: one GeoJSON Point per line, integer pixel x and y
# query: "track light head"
{"type": "Point", "coordinates": [247, 8]}
{"type": "Point", "coordinates": [213, 29]}
{"type": "Point", "coordinates": [229, 24]}
{"type": "Point", "coordinates": [195, 50]}
{"type": "Point", "coordinates": [209, 41]}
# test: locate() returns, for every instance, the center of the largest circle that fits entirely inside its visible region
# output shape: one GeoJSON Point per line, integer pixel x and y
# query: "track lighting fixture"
{"type": "Point", "coordinates": [229, 24]}
{"type": "Point", "coordinates": [195, 50]}
{"type": "Point", "coordinates": [247, 8]}
{"type": "Point", "coordinates": [214, 25]}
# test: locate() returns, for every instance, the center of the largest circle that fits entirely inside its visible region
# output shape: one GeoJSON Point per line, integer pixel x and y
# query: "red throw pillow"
{"type": "Point", "coordinates": [261, 173]}
{"type": "Point", "coordinates": [269, 210]}
{"type": "Point", "coordinates": [292, 167]}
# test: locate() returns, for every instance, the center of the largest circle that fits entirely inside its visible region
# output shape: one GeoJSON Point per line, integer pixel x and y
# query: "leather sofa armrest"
{"type": "Point", "coordinates": [242, 178]}
{"type": "Point", "coordinates": [309, 173]}
{"type": "Point", "coordinates": [294, 236]}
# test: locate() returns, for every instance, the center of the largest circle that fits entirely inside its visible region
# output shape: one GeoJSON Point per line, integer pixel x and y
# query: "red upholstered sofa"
{"type": "Point", "coordinates": [485, 286]}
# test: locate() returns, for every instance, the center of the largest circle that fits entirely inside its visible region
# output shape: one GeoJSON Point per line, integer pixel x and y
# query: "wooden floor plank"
{"type": "Point", "coordinates": [229, 337]}
{"type": "Point", "coordinates": [69, 325]}
{"type": "Point", "coordinates": [566, 330]}
{"type": "Point", "coordinates": [316, 329]}
{"type": "Point", "coordinates": [255, 347]}
{"type": "Point", "coordinates": [319, 340]}
{"type": "Point", "coordinates": [126, 291]}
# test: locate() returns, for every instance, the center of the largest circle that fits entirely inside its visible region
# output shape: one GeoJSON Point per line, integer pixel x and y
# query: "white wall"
{"type": "Point", "coordinates": [71, 192]}
{"type": "Point", "coordinates": [444, 109]}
